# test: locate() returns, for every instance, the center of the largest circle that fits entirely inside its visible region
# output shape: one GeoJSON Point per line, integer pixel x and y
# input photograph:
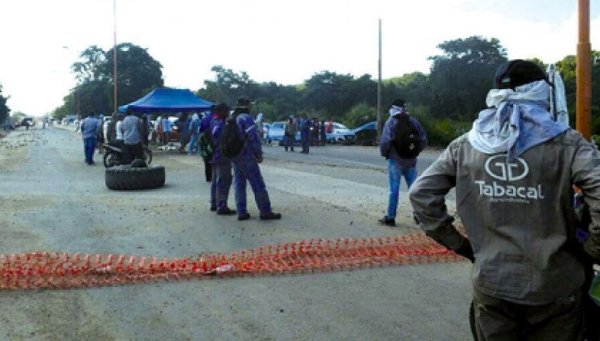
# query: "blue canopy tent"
{"type": "Point", "coordinates": [168, 100]}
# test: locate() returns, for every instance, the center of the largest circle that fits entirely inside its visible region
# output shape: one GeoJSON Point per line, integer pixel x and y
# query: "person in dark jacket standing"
{"type": "Point", "coordinates": [305, 125]}
{"type": "Point", "coordinates": [90, 129]}
{"type": "Point", "coordinates": [398, 165]}
{"type": "Point", "coordinates": [221, 166]}
{"type": "Point", "coordinates": [245, 166]}
{"type": "Point", "coordinates": [514, 173]}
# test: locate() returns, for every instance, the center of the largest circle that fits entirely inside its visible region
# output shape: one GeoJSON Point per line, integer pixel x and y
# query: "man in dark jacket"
{"type": "Point", "coordinates": [514, 174]}
{"type": "Point", "coordinates": [399, 164]}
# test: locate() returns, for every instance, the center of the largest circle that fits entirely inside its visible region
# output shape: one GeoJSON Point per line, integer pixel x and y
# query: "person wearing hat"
{"type": "Point", "coordinates": [514, 173]}
{"type": "Point", "coordinates": [245, 165]}
{"type": "Point", "coordinates": [392, 146]}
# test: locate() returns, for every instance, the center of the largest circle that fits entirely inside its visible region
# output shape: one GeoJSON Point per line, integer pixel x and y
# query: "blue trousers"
{"type": "Point", "coordinates": [89, 146]}
{"type": "Point", "coordinates": [220, 183]}
{"type": "Point", "coordinates": [193, 145]}
{"type": "Point", "coordinates": [289, 142]}
{"type": "Point", "coordinates": [305, 137]}
{"type": "Point", "coordinates": [246, 170]}
{"type": "Point", "coordinates": [395, 173]}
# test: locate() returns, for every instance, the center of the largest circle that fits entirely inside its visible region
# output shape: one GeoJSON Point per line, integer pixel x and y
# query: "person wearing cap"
{"type": "Point", "coordinates": [514, 173]}
{"type": "Point", "coordinates": [245, 165]}
{"type": "Point", "coordinates": [398, 166]}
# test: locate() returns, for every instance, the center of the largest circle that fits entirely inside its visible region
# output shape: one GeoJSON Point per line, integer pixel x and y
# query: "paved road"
{"type": "Point", "coordinates": [345, 156]}
{"type": "Point", "coordinates": [51, 200]}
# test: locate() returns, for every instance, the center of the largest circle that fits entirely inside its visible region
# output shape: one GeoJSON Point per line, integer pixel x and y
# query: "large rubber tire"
{"type": "Point", "coordinates": [125, 177]}
{"type": "Point", "coordinates": [111, 159]}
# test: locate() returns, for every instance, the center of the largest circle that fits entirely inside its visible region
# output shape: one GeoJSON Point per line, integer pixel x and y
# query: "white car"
{"type": "Point", "coordinates": [340, 134]}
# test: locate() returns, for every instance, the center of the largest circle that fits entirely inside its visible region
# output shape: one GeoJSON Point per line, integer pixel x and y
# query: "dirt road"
{"type": "Point", "coordinates": [50, 200]}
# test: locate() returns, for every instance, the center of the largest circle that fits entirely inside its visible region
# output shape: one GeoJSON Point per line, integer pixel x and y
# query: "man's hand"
{"type": "Point", "coordinates": [466, 250]}
{"type": "Point", "coordinates": [259, 159]}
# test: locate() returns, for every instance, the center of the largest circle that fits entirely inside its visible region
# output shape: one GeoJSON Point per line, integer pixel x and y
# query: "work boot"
{"type": "Point", "coordinates": [225, 211]}
{"type": "Point", "coordinates": [244, 216]}
{"type": "Point", "coordinates": [387, 221]}
{"type": "Point", "coordinates": [270, 216]}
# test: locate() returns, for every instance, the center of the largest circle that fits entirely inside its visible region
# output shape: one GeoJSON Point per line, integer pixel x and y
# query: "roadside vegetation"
{"type": "Point", "coordinates": [446, 100]}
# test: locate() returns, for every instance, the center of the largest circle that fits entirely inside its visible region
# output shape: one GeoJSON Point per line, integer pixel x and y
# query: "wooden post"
{"type": "Point", "coordinates": [584, 72]}
{"type": "Point", "coordinates": [379, 88]}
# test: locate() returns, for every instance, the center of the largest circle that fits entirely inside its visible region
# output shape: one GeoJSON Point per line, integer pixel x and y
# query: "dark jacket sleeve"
{"type": "Point", "coordinates": [585, 170]}
{"type": "Point", "coordinates": [385, 142]}
{"type": "Point", "coordinates": [427, 197]}
{"type": "Point", "coordinates": [248, 127]}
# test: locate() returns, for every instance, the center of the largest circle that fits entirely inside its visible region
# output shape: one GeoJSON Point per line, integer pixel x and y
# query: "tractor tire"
{"type": "Point", "coordinates": [125, 177]}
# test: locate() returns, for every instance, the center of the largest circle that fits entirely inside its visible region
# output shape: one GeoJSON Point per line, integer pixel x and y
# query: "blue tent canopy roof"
{"type": "Point", "coordinates": [170, 100]}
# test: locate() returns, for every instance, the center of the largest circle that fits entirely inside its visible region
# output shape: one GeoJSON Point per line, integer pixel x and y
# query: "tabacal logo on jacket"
{"type": "Point", "coordinates": [505, 173]}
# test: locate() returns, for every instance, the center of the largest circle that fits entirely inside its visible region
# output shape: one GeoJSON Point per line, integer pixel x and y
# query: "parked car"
{"type": "Point", "coordinates": [276, 133]}
{"type": "Point", "coordinates": [366, 134]}
{"type": "Point", "coordinates": [340, 134]}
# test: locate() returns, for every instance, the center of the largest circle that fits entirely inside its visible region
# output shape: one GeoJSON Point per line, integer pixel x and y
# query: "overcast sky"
{"type": "Point", "coordinates": [273, 40]}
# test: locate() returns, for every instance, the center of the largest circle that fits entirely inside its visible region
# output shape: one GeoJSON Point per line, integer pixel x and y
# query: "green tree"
{"type": "Point", "coordinates": [137, 74]}
{"type": "Point", "coordinates": [333, 94]}
{"type": "Point", "coordinates": [461, 77]}
{"type": "Point", "coordinates": [360, 114]}
{"type": "Point", "coordinates": [228, 86]}
{"type": "Point", "coordinates": [4, 109]}
{"type": "Point", "coordinates": [88, 68]}
{"type": "Point", "coordinates": [567, 68]}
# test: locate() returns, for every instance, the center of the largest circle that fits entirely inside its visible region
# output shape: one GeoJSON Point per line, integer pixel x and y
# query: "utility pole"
{"type": "Point", "coordinates": [584, 72]}
{"type": "Point", "coordinates": [116, 109]}
{"type": "Point", "coordinates": [379, 118]}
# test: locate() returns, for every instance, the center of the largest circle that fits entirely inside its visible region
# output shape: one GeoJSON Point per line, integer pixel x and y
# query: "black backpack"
{"type": "Point", "coordinates": [407, 141]}
{"type": "Point", "coordinates": [230, 141]}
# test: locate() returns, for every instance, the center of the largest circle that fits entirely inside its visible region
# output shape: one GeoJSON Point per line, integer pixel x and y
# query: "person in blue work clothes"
{"type": "Point", "coordinates": [400, 162]}
{"type": "Point", "coordinates": [194, 128]}
{"type": "Point", "coordinates": [305, 125]}
{"type": "Point", "coordinates": [221, 166]}
{"type": "Point", "coordinates": [245, 165]}
{"type": "Point", "coordinates": [90, 128]}
{"type": "Point", "coordinates": [205, 128]}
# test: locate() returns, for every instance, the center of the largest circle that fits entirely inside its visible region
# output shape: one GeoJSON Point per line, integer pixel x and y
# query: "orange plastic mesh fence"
{"type": "Point", "coordinates": [62, 270]}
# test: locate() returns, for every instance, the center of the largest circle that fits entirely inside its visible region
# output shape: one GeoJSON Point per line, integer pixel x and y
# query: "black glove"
{"type": "Point", "coordinates": [466, 250]}
{"type": "Point", "coordinates": [259, 159]}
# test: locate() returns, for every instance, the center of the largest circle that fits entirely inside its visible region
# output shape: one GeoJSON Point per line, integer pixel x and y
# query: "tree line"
{"type": "Point", "coordinates": [446, 100]}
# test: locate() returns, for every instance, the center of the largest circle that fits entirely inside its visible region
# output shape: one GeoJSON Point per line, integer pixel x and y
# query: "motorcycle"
{"type": "Point", "coordinates": [113, 155]}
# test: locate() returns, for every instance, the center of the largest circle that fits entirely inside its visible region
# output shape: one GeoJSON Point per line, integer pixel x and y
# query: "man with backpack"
{"type": "Point", "coordinates": [221, 166]}
{"type": "Point", "coordinates": [240, 143]}
{"type": "Point", "coordinates": [402, 140]}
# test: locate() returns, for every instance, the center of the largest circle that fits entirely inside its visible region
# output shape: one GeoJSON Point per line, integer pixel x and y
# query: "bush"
{"type": "Point", "coordinates": [440, 132]}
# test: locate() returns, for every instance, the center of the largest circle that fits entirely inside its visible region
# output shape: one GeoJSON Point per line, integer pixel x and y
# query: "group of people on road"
{"type": "Point", "coordinates": [514, 174]}
{"type": "Point", "coordinates": [126, 131]}
{"type": "Point", "coordinates": [235, 144]}
{"type": "Point", "coordinates": [312, 132]}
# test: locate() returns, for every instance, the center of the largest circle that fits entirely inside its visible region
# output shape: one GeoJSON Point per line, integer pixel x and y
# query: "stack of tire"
{"type": "Point", "coordinates": [136, 175]}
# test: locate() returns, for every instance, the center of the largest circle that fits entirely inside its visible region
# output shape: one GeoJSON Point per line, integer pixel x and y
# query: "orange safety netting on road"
{"type": "Point", "coordinates": [62, 270]}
